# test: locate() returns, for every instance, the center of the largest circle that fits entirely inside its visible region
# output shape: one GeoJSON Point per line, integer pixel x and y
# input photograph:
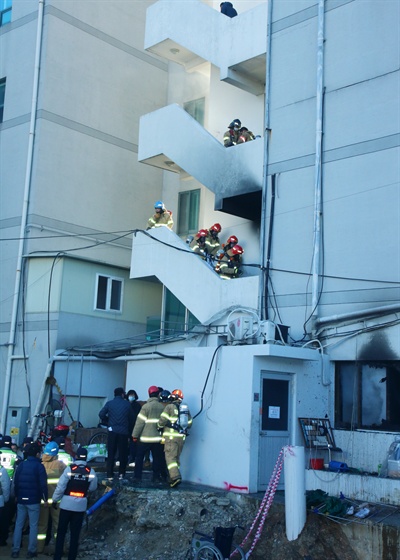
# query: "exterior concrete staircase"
{"type": "Point", "coordinates": [191, 32]}
{"type": "Point", "coordinates": [161, 253]}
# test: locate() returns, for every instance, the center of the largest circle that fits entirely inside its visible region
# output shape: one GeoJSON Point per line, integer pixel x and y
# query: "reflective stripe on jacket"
{"type": "Point", "coordinates": [145, 427]}
{"type": "Point", "coordinates": [169, 416]}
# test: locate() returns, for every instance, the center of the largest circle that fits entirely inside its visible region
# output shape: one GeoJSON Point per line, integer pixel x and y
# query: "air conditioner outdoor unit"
{"type": "Point", "coordinates": [241, 329]}
{"type": "Point", "coordinates": [272, 332]}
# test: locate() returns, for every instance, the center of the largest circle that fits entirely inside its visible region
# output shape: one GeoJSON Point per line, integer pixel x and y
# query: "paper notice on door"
{"type": "Point", "coordinates": [274, 412]}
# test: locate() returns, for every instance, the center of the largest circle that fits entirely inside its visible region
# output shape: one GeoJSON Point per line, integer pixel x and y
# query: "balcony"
{"type": "Point", "coordinates": [191, 33]}
{"type": "Point", "coordinates": [233, 174]}
{"type": "Point", "coordinates": [161, 253]}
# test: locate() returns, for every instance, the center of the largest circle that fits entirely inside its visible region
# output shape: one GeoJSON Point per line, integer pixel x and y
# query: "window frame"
{"type": "Point", "coordinates": [108, 295]}
{"type": "Point", "coordinates": [352, 407]}
{"type": "Point", "coordinates": [2, 97]}
{"type": "Point", "coordinates": [196, 108]}
{"type": "Point", "coordinates": [5, 11]}
{"type": "Point", "coordinates": [187, 230]}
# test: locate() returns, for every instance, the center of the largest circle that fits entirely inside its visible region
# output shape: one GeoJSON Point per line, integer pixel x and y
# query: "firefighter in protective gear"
{"type": "Point", "coordinates": [245, 135]}
{"type": "Point", "coordinates": [54, 469]}
{"type": "Point", "coordinates": [231, 136]}
{"type": "Point", "coordinates": [212, 240]}
{"type": "Point", "coordinates": [199, 244]}
{"type": "Point", "coordinates": [72, 489]}
{"type": "Point", "coordinates": [147, 436]}
{"type": "Point", "coordinates": [161, 217]}
{"type": "Point", "coordinates": [229, 266]}
{"type": "Point", "coordinates": [175, 421]}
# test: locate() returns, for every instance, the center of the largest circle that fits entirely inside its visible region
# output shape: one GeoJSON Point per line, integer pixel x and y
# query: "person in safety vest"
{"type": "Point", "coordinates": [161, 216]}
{"type": "Point", "coordinates": [175, 421]}
{"type": "Point", "coordinates": [231, 136]}
{"type": "Point", "coordinates": [148, 438]}
{"type": "Point", "coordinates": [5, 490]}
{"type": "Point", "coordinates": [30, 487]}
{"type": "Point", "coordinates": [54, 469]}
{"type": "Point", "coordinates": [72, 489]}
{"type": "Point", "coordinates": [63, 456]}
{"type": "Point", "coordinates": [8, 456]}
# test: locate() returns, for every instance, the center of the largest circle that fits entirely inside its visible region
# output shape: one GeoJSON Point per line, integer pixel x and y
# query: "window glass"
{"type": "Point", "coordinates": [195, 109]}
{"type": "Point", "coordinates": [5, 11]}
{"type": "Point", "coordinates": [2, 96]}
{"type": "Point", "coordinates": [367, 395]}
{"type": "Point", "coordinates": [188, 212]}
{"type": "Point", "coordinates": [109, 293]}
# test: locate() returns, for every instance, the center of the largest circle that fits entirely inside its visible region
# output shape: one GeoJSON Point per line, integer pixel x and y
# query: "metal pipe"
{"type": "Point", "coordinates": [316, 264]}
{"type": "Point", "coordinates": [24, 218]}
{"type": "Point", "coordinates": [267, 129]}
{"type": "Point", "coordinates": [362, 314]}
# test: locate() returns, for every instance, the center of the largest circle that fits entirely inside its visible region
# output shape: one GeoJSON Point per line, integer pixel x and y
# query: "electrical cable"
{"type": "Point", "coordinates": [206, 381]}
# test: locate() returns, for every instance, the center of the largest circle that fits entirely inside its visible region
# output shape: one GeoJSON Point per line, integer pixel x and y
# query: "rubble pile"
{"type": "Point", "coordinates": [158, 524]}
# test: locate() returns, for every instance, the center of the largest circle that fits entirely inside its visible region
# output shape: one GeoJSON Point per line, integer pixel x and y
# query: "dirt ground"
{"type": "Point", "coordinates": [157, 524]}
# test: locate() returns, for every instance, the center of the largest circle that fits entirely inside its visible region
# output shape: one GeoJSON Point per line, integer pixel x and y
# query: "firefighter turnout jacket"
{"type": "Point", "coordinates": [162, 219]}
{"type": "Point", "coordinates": [145, 428]}
{"type": "Point", "coordinates": [73, 487]}
{"type": "Point", "coordinates": [54, 469]}
{"type": "Point", "coordinates": [169, 423]}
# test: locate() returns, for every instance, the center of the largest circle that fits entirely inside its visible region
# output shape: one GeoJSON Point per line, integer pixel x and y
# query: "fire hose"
{"type": "Point", "coordinates": [100, 501]}
{"type": "Point", "coordinates": [266, 501]}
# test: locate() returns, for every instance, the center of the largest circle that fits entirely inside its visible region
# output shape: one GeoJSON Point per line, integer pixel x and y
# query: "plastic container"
{"type": "Point", "coordinates": [317, 464]}
{"type": "Point", "coordinates": [393, 468]}
{"type": "Point", "coordinates": [337, 466]}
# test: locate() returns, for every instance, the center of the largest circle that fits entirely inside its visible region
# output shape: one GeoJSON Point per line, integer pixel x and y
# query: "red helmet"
{"type": "Point", "coordinates": [61, 430]}
{"type": "Point", "coordinates": [216, 227]}
{"type": "Point", "coordinates": [177, 395]}
{"type": "Point", "coordinates": [236, 250]}
{"type": "Point", "coordinates": [232, 239]}
{"type": "Point", "coordinates": [202, 233]}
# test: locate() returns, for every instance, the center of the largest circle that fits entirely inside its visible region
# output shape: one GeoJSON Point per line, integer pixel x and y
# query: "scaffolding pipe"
{"type": "Point", "coordinates": [24, 218]}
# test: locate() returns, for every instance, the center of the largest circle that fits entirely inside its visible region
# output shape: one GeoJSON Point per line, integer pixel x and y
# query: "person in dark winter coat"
{"type": "Point", "coordinates": [30, 487]}
{"type": "Point", "coordinates": [227, 9]}
{"type": "Point", "coordinates": [118, 415]}
{"type": "Point", "coordinates": [133, 397]}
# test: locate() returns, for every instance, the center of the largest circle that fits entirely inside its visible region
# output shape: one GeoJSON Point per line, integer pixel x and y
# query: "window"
{"type": "Point", "coordinates": [2, 96]}
{"type": "Point", "coordinates": [109, 293]}
{"type": "Point", "coordinates": [196, 109]}
{"type": "Point", "coordinates": [177, 318]}
{"type": "Point", "coordinates": [188, 212]}
{"type": "Point", "coordinates": [5, 11]}
{"type": "Point", "coordinates": [367, 395]}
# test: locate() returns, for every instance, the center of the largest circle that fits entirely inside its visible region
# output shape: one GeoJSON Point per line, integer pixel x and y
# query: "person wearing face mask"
{"type": "Point", "coordinates": [132, 397]}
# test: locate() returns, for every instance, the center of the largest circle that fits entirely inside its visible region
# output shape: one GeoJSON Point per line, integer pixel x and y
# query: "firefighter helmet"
{"type": "Point", "coordinates": [216, 227]}
{"type": "Point", "coordinates": [201, 233]}
{"type": "Point", "coordinates": [177, 395]}
{"type": "Point", "coordinates": [61, 430]}
{"type": "Point", "coordinates": [236, 250]}
{"type": "Point", "coordinates": [159, 205]}
{"type": "Point", "coordinates": [232, 239]}
{"type": "Point", "coordinates": [153, 390]}
{"type": "Point", "coordinates": [236, 124]}
{"type": "Point", "coordinates": [51, 448]}
{"type": "Point", "coordinates": [164, 396]}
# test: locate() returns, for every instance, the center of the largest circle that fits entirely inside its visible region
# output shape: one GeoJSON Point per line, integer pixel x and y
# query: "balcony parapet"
{"type": "Point", "coordinates": [191, 32]}
{"type": "Point", "coordinates": [161, 253]}
{"type": "Point", "coordinates": [192, 149]}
